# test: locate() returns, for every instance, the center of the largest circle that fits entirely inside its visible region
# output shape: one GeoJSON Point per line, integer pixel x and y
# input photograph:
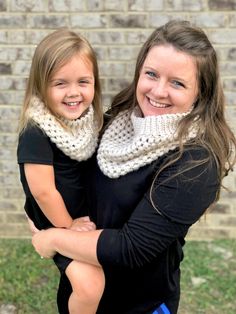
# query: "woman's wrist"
{"type": "Point", "coordinates": [53, 237]}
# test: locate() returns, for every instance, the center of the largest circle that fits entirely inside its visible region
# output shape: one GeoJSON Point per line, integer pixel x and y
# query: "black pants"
{"type": "Point", "coordinates": [63, 294]}
{"type": "Point", "coordinates": [65, 290]}
{"type": "Point", "coordinates": [173, 304]}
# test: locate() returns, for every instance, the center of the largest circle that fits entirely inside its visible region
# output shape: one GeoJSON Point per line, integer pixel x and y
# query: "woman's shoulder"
{"type": "Point", "coordinates": [196, 152]}
{"type": "Point", "coordinates": [196, 161]}
{"type": "Point", "coordinates": [190, 153]}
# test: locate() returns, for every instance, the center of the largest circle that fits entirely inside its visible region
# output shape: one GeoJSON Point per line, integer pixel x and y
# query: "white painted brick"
{"type": "Point", "coordinates": [116, 33]}
{"type": "Point", "coordinates": [28, 5]}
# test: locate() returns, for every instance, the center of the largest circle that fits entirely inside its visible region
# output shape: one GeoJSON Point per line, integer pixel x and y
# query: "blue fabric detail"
{"type": "Point", "coordinates": [163, 309]}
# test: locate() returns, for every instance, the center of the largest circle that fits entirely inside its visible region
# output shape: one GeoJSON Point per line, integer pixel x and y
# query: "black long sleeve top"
{"type": "Point", "coordinates": [140, 248]}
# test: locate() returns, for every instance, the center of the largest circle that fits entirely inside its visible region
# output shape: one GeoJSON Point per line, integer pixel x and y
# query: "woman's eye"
{"type": "Point", "coordinates": [151, 74]}
{"type": "Point", "coordinates": [178, 84]}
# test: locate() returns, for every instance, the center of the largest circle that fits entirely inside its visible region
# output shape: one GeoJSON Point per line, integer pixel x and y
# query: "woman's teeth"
{"type": "Point", "coordinates": [157, 104]}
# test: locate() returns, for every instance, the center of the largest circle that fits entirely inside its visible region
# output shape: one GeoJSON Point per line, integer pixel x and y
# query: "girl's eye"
{"type": "Point", "coordinates": [83, 82]}
{"type": "Point", "coordinates": [59, 83]}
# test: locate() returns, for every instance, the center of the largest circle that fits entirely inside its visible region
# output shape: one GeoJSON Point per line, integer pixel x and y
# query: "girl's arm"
{"type": "Point", "coordinates": [41, 182]}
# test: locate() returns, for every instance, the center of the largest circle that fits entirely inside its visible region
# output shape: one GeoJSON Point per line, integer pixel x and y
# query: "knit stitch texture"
{"type": "Point", "coordinates": [132, 141]}
{"type": "Point", "coordinates": [78, 139]}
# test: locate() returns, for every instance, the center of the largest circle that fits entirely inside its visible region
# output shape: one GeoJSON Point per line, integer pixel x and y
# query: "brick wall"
{"type": "Point", "coordinates": [116, 29]}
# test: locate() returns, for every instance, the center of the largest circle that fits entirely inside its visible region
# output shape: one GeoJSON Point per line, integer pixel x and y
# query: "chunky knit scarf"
{"type": "Point", "coordinates": [78, 139]}
{"type": "Point", "coordinates": [132, 141]}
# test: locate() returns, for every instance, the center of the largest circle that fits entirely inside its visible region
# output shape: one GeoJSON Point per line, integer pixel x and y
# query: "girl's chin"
{"type": "Point", "coordinates": [71, 116]}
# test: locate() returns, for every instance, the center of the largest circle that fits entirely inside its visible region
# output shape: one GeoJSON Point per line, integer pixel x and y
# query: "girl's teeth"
{"type": "Point", "coordinates": [71, 103]}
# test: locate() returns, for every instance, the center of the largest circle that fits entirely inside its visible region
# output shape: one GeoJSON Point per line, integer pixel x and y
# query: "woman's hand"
{"type": "Point", "coordinates": [80, 246]}
{"type": "Point", "coordinates": [83, 224]}
{"type": "Point", "coordinates": [43, 242]}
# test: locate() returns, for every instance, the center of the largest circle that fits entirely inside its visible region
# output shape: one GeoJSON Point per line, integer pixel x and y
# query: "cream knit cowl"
{"type": "Point", "coordinates": [78, 139]}
{"type": "Point", "coordinates": [132, 141]}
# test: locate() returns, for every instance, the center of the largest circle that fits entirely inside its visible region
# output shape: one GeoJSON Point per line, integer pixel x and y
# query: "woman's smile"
{"type": "Point", "coordinates": [167, 83]}
{"type": "Point", "coordinates": [157, 104]}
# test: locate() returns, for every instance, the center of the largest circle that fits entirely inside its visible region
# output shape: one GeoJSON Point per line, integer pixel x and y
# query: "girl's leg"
{"type": "Point", "coordinates": [88, 283]}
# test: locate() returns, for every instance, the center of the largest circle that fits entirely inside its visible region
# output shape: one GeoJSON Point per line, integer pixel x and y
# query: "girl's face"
{"type": "Point", "coordinates": [70, 90]}
{"type": "Point", "coordinates": [167, 83]}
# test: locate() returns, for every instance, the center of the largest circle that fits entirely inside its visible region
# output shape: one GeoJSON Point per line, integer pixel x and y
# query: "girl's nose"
{"type": "Point", "coordinates": [73, 92]}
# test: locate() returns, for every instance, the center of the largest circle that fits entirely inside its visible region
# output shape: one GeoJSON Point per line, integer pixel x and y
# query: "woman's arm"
{"type": "Point", "coordinates": [81, 246]}
{"type": "Point", "coordinates": [147, 233]}
{"type": "Point", "coordinates": [178, 200]}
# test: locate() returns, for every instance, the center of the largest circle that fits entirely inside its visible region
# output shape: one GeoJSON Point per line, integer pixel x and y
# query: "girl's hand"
{"type": "Point", "coordinates": [42, 242]}
{"type": "Point", "coordinates": [33, 229]}
{"type": "Point", "coordinates": [83, 224]}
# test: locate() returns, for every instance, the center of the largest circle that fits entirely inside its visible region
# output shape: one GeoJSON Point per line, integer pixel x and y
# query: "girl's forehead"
{"type": "Point", "coordinates": [80, 58]}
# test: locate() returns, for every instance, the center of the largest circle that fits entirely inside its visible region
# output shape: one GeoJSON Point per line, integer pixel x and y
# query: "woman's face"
{"type": "Point", "coordinates": [167, 83]}
{"type": "Point", "coordinates": [71, 89]}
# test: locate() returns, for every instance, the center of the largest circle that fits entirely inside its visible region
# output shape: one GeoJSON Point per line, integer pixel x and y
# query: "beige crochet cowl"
{"type": "Point", "coordinates": [132, 141]}
{"type": "Point", "coordinates": [78, 139]}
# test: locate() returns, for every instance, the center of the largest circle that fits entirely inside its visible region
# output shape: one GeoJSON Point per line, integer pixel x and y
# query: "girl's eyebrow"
{"type": "Point", "coordinates": [57, 79]}
{"type": "Point", "coordinates": [87, 77]}
{"type": "Point", "coordinates": [64, 80]}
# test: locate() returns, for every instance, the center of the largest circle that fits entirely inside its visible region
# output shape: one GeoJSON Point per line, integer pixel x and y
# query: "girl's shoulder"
{"type": "Point", "coordinates": [32, 130]}
{"type": "Point", "coordinates": [34, 146]}
{"type": "Point", "coordinates": [33, 135]}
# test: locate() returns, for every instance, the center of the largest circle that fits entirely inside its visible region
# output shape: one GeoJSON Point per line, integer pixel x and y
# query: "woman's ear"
{"type": "Point", "coordinates": [195, 103]}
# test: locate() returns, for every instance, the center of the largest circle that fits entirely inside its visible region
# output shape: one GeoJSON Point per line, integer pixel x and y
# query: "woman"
{"type": "Point", "coordinates": [159, 167]}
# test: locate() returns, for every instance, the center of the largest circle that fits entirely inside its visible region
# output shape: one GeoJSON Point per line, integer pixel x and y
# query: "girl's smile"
{"type": "Point", "coordinates": [71, 88]}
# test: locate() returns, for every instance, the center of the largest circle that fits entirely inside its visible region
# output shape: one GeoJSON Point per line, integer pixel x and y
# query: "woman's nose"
{"type": "Point", "coordinates": [160, 89]}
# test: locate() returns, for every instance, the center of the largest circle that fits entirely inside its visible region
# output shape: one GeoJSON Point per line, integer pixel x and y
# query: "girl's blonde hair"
{"type": "Point", "coordinates": [54, 51]}
{"type": "Point", "coordinates": [209, 110]}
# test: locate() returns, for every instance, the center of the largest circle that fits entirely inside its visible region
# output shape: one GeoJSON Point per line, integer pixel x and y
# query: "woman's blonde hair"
{"type": "Point", "coordinates": [209, 110]}
{"type": "Point", "coordinates": [54, 51]}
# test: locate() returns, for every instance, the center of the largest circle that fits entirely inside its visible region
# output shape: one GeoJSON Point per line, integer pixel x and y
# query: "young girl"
{"type": "Point", "coordinates": [59, 125]}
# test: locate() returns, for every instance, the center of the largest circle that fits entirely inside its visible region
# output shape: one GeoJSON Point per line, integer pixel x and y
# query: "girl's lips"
{"type": "Point", "coordinates": [72, 103]}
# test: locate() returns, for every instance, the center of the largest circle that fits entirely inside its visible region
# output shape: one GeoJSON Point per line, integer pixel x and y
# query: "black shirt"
{"type": "Point", "coordinates": [140, 249]}
{"type": "Point", "coordinates": [35, 147]}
